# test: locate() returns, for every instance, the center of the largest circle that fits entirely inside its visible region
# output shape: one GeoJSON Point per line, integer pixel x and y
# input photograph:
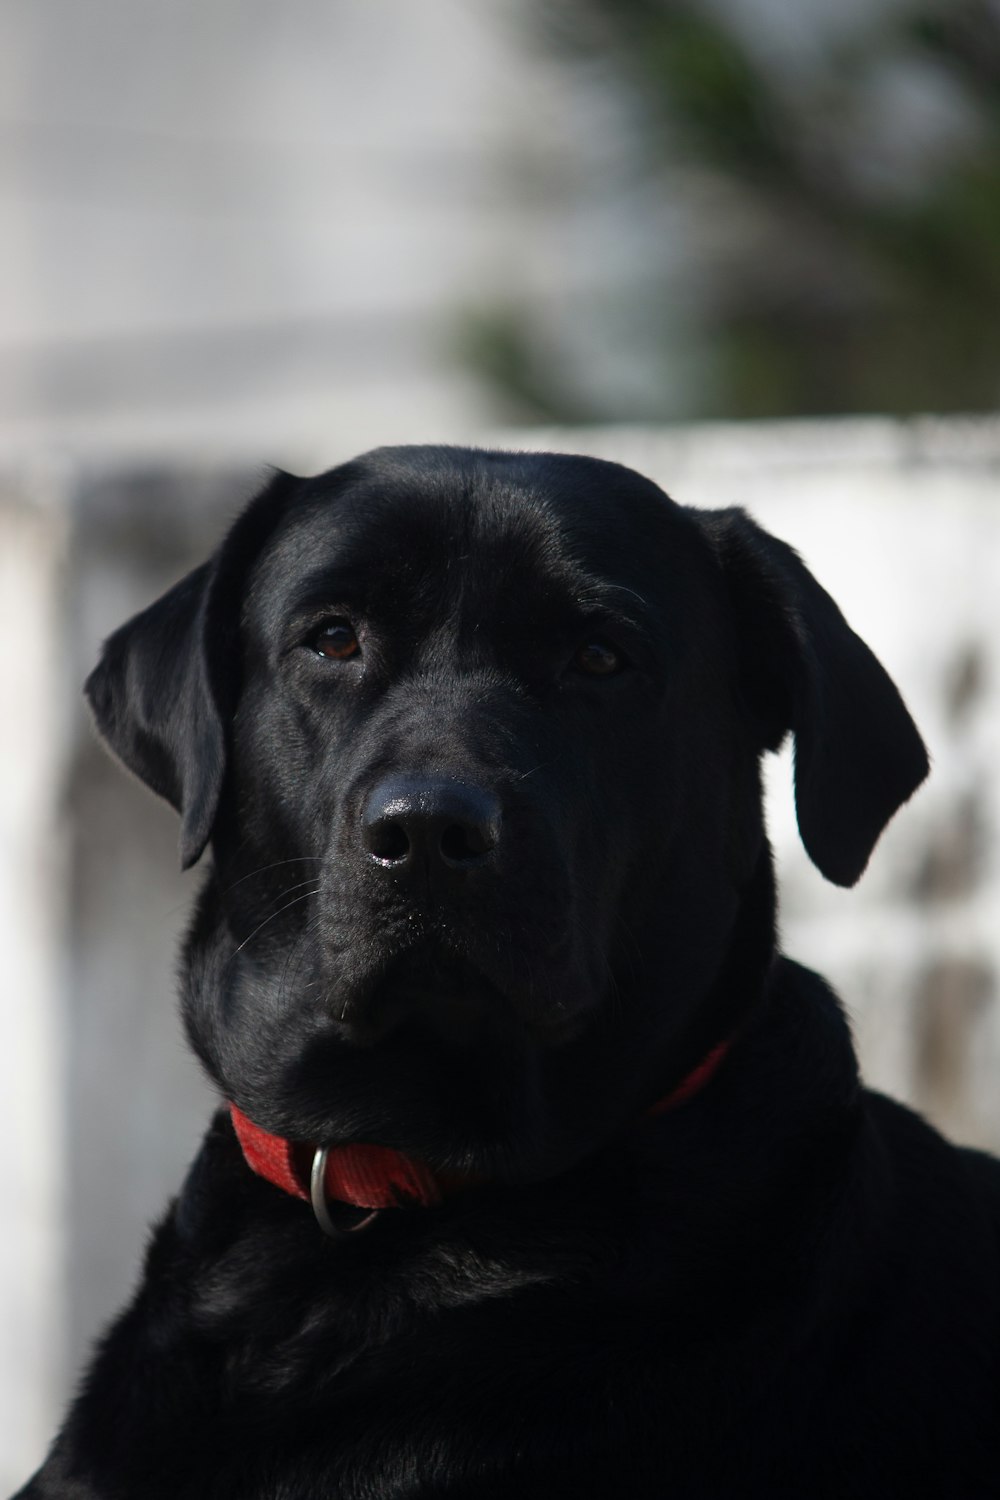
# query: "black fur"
{"type": "Point", "coordinates": [787, 1286]}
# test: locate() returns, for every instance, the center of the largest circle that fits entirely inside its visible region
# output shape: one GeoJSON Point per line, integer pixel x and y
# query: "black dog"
{"type": "Point", "coordinates": [485, 964]}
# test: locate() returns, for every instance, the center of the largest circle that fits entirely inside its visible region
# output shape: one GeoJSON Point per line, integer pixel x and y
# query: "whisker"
{"type": "Point", "coordinates": [525, 774]}
{"type": "Point", "coordinates": [297, 952]}
{"type": "Point", "coordinates": [298, 860]}
{"type": "Point", "coordinates": [260, 927]}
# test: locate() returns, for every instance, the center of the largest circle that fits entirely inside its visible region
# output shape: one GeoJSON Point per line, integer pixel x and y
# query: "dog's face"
{"type": "Point", "coordinates": [475, 738]}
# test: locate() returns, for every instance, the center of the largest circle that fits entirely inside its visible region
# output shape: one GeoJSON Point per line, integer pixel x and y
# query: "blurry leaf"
{"type": "Point", "coordinates": [822, 293]}
{"type": "Point", "coordinates": [497, 345]}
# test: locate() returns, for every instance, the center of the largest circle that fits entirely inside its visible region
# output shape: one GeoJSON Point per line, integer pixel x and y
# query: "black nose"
{"type": "Point", "coordinates": [418, 821]}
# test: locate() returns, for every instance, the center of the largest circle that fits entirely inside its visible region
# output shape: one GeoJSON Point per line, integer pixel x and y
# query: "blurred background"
{"type": "Point", "coordinates": [751, 247]}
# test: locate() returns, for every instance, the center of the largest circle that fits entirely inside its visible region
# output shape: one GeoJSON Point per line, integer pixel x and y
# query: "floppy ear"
{"type": "Point", "coordinates": [858, 755]}
{"type": "Point", "coordinates": [165, 686]}
{"type": "Point", "coordinates": [154, 705]}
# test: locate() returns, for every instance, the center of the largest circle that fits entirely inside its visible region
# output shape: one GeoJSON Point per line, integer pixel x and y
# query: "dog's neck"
{"type": "Point", "coordinates": [740, 989]}
{"type": "Point", "coordinates": [372, 1177]}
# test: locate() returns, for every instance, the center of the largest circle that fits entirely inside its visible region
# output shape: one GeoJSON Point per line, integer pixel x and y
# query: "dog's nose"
{"type": "Point", "coordinates": [428, 822]}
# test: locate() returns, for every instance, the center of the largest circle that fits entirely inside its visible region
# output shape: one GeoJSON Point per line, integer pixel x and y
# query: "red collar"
{"type": "Point", "coordinates": [377, 1177]}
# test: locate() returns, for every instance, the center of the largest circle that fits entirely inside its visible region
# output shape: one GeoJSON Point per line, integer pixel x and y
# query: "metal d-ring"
{"type": "Point", "coordinates": [317, 1195]}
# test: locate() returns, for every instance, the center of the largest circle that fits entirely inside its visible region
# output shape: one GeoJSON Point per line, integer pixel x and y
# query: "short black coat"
{"type": "Point", "coordinates": [785, 1286]}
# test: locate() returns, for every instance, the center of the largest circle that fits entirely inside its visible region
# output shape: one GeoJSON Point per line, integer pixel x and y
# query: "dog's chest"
{"type": "Point", "coordinates": [296, 1368]}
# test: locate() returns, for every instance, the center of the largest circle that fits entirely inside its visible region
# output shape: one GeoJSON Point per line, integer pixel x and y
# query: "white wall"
{"type": "Point", "coordinates": [33, 891]}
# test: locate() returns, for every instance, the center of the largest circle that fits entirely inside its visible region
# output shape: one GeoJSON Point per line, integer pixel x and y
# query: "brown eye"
{"type": "Point", "coordinates": [337, 641]}
{"type": "Point", "coordinates": [597, 659]}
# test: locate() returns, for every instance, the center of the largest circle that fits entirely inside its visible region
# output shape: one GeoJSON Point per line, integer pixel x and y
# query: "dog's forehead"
{"type": "Point", "coordinates": [540, 524]}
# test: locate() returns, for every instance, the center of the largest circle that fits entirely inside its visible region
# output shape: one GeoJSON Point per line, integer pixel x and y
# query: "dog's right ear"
{"type": "Point", "coordinates": [165, 686]}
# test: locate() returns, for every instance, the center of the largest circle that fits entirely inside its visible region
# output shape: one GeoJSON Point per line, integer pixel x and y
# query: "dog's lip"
{"type": "Point", "coordinates": [448, 993]}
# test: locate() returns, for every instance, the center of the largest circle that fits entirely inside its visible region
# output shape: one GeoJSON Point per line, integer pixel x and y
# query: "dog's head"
{"type": "Point", "coordinates": [475, 739]}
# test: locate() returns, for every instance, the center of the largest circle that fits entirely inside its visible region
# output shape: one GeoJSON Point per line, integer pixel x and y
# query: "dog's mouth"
{"type": "Point", "coordinates": [418, 1046]}
{"type": "Point", "coordinates": [446, 996]}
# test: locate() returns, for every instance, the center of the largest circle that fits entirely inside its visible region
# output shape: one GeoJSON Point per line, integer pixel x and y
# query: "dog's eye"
{"type": "Point", "coordinates": [336, 640]}
{"type": "Point", "coordinates": [597, 659]}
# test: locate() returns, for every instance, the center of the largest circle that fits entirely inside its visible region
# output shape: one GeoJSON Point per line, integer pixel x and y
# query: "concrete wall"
{"type": "Point", "coordinates": [33, 934]}
{"type": "Point", "coordinates": [223, 218]}
{"type": "Point", "coordinates": [101, 1104]}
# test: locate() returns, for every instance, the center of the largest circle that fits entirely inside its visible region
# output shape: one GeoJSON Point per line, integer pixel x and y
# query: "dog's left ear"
{"type": "Point", "coordinates": [858, 755]}
{"type": "Point", "coordinates": [164, 689]}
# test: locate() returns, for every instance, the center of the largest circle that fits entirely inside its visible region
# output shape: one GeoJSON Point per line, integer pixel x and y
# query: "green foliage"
{"type": "Point", "coordinates": [502, 346]}
{"type": "Point", "coordinates": [850, 279]}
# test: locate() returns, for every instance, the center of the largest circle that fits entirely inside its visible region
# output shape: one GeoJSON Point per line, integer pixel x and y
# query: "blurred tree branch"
{"type": "Point", "coordinates": [847, 270]}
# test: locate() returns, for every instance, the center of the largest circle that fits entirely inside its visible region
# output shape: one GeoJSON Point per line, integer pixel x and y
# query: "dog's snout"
{"type": "Point", "coordinates": [415, 821]}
